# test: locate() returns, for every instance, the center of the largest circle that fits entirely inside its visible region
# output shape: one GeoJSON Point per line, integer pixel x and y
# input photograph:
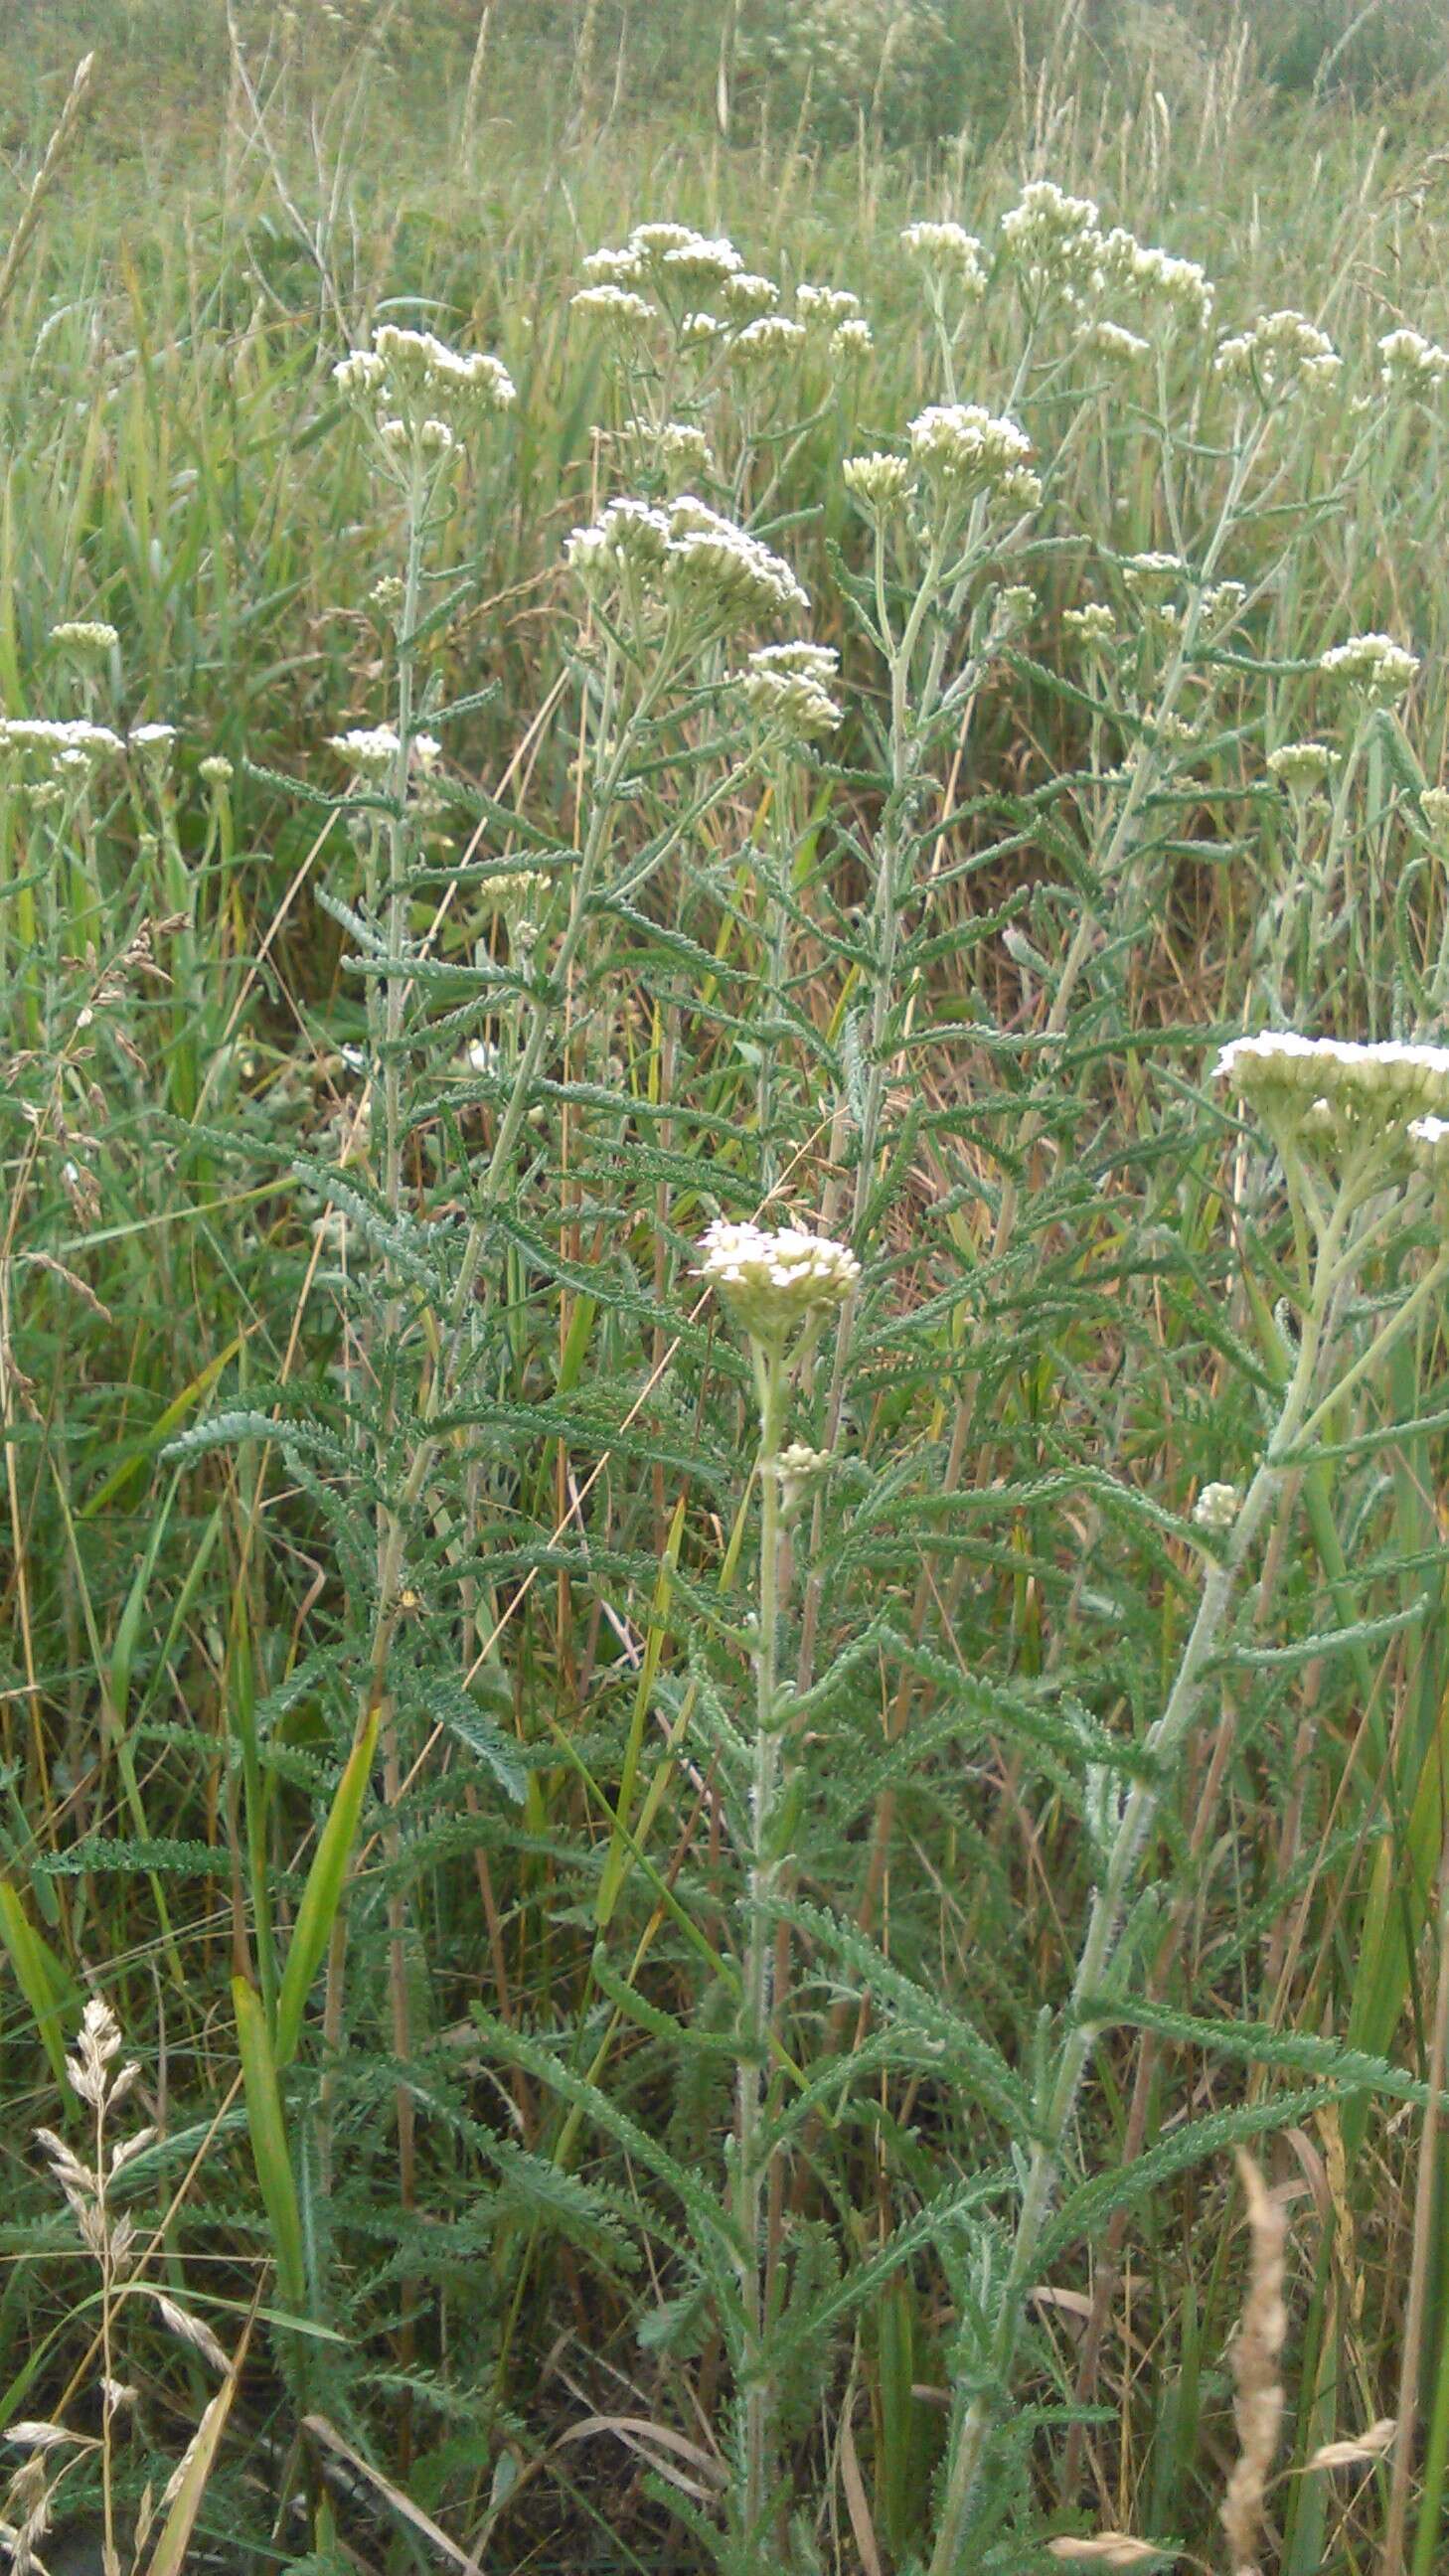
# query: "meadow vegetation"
{"type": "Point", "coordinates": [724, 923]}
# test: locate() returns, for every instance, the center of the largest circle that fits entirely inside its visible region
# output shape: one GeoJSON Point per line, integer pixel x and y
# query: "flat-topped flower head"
{"type": "Point", "coordinates": [880, 483]}
{"type": "Point", "coordinates": [948, 251]}
{"type": "Point", "coordinates": [617, 308]}
{"type": "Point", "coordinates": [712, 563]}
{"type": "Point", "coordinates": [628, 543]}
{"type": "Point", "coordinates": [1409, 364]}
{"type": "Point", "coordinates": [1171, 291]}
{"type": "Point", "coordinates": [851, 340]}
{"type": "Point", "coordinates": [1094, 624]}
{"type": "Point", "coordinates": [769, 336]}
{"type": "Point", "coordinates": [613, 267]}
{"type": "Point", "coordinates": [826, 305]}
{"type": "Point", "coordinates": [745, 294]}
{"type": "Point", "coordinates": [787, 688]}
{"type": "Point", "coordinates": [1280, 355]}
{"type": "Point", "coordinates": [699, 263]}
{"type": "Point", "coordinates": [372, 749]}
{"type": "Point", "coordinates": [1375, 664]}
{"type": "Point", "coordinates": [57, 749]}
{"type": "Point", "coordinates": [1113, 341]}
{"type": "Point", "coordinates": [962, 448]}
{"type": "Point", "coordinates": [1054, 240]}
{"type": "Point", "coordinates": [1152, 576]}
{"type": "Point", "coordinates": [413, 378]}
{"type": "Point", "coordinates": [85, 636]}
{"type": "Point", "coordinates": [655, 241]}
{"type": "Point", "coordinates": [1301, 766]}
{"type": "Point", "coordinates": [773, 1283]}
{"type": "Point", "coordinates": [1334, 1089]}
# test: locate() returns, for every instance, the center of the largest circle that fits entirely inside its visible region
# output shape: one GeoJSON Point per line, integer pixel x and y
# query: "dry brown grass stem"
{"type": "Point", "coordinates": [1255, 2362]}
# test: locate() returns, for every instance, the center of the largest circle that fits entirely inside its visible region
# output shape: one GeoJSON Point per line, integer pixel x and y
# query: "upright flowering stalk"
{"type": "Point", "coordinates": [778, 1288]}
{"type": "Point", "coordinates": [1353, 1125]}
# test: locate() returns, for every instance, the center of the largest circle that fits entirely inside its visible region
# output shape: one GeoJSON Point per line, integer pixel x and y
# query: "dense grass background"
{"type": "Point", "coordinates": [174, 463]}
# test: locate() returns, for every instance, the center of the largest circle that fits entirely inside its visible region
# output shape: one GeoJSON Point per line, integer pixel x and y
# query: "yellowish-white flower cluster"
{"type": "Point", "coordinates": [1332, 1091]}
{"type": "Point", "coordinates": [1301, 766]}
{"type": "Point", "coordinates": [1151, 577]}
{"type": "Point", "coordinates": [1054, 240]}
{"type": "Point", "coordinates": [684, 449]}
{"type": "Point", "coordinates": [773, 1283]}
{"type": "Point", "coordinates": [1375, 664]}
{"type": "Point", "coordinates": [617, 307]}
{"type": "Point", "coordinates": [57, 749]}
{"type": "Point", "coordinates": [1114, 341]}
{"type": "Point", "coordinates": [879, 483]}
{"type": "Point", "coordinates": [825, 306]}
{"type": "Point", "coordinates": [686, 551]}
{"type": "Point", "coordinates": [1170, 290]}
{"type": "Point", "coordinates": [419, 395]}
{"type": "Point", "coordinates": [1216, 1508]}
{"type": "Point", "coordinates": [769, 336]}
{"type": "Point", "coordinates": [746, 294]}
{"type": "Point", "coordinates": [851, 340]}
{"type": "Point", "coordinates": [947, 251]}
{"type": "Point", "coordinates": [216, 770]}
{"type": "Point", "coordinates": [964, 449]}
{"type": "Point", "coordinates": [85, 635]}
{"type": "Point", "coordinates": [1281, 354]}
{"type": "Point", "coordinates": [1410, 364]}
{"type": "Point", "coordinates": [371, 749]}
{"type": "Point", "coordinates": [514, 891]}
{"type": "Point", "coordinates": [667, 257]}
{"type": "Point", "coordinates": [787, 688]}
{"type": "Point", "coordinates": [1094, 624]}
{"type": "Point", "coordinates": [1434, 806]}
{"type": "Point", "coordinates": [798, 1467]}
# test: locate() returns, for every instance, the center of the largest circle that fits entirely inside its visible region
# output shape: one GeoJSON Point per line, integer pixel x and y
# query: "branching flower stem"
{"type": "Point", "coordinates": [1337, 1249]}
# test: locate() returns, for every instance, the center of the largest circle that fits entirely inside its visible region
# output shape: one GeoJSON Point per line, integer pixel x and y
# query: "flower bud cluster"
{"type": "Point", "coordinates": [1171, 290]}
{"type": "Point", "coordinates": [964, 449]}
{"type": "Point", "coordinates": [1114, 341]}
{"type": "Point", "coordinates": [1375, 664]}
{"type": "Point", "coordinates": [769, 336]}
{"type": "Point", "coordinates": [1301, 766]}
{"type": "Point", "coordinates": [418, 392]}
{"type": "Point", "coordinates": [618, 307]}
{"type": "Point", "coordinates": [56, 750]}
{"type": "Point", "coordinates": [1053, 240]}
{"type": "Point", "coordinates": [746, 294]}
{"type": "Point", "coordinates": [772, 1283]}
{"type": "Point", "coordinates": [1434, 806]}
{"type": "Point", "coordinates": [1216, 1507]}
{"type": "Point", "coordinates": [1410, 364]}
{"type": "Point", "coordinates": [1094, 624]}
{"type": "Point", "coordinates": [879, 483]}
{"type": "Point", "coordinates": [664, 256]}
{"type": "Point", "coordinates": [1332, 1090]}
{"type": "Point", "coordinates": [687, 552]}
{"type": "Point", "coordinates": [1150, 578]}
{"type": "Point", "coordinates": [85, 635]}
{"type": "Point", "coordinates": [825, 306]}
{"type": "Point", "coordinates": [948, 252]}
{"type": "Point", "coordinates": [787, 688]}
{"type": "Point", "coordinates": [1280, 355]}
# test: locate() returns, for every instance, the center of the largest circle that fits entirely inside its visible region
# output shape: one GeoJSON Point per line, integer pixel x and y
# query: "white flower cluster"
{"type": "Point", "coordinates": [1054, 240]}
{"type": "Point", "coordinates": [1094, 624]}
{"type": "Point", "coordinates": [851, 339]}
{"type": "Point", "coordinates": [772, 1283]}
{"type": "Point", "coordinates": [1373, 663]}
{"type": "Point", "coordinates": [1281, 354]}
{"type": "Point", "coordinates": [1331, 1090]}
{"type": "Point", "coordinates": [1151, 577]}
{"type": "Point", "coordinates": [419, 393]}
{"type": "Point", "coordinates": [1113, 340]}
{"type": "Point", "coordinates": [1216, 1507]}
{"type": "Point", "coordinates": [826, 305]}
{"type": "Point", "coordinates": [787, 687]}
{"type": "Point", "coordinates": [666, 256]}
{"type": "Point", "coordinates": [372, 749]}
{"type": "Point", "coordinates": [85, 635]}
{"type": "Point", "coordinates": [616, 306]}
{"type": "Point", "coordinates": [947, 251]}
{"type": "Point", "coordinates": [769, 336]}
{"type": "Point", "coordinates": [1171, 290]}
{"type": "Point", "coordinates": [688, 552]}
{"type": "Point", "coordinates": [1428, 1144]}
{"type": "Point", "coordinates": [746, 294]}
{"type": "Point", "coordinates": [965, 449]}
{"type": "Point", "coordinates": [1410, 364]}
{"type": "Point", "coordinates": [879, 483]}
{"type": "Point", "coordinates": [798, 1467]}
{"type": "Point", "coordinates": [55, 749]}
{"type": "Point", "coordinates": [1301, 766]}
{"type": "Point", "coordinates": [684, 449]}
